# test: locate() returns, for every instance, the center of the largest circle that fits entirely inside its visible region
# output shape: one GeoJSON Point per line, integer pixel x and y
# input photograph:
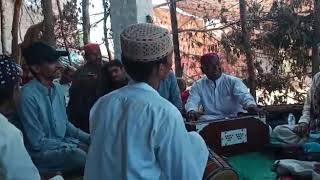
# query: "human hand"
{"type": "Point", "coordinates": [193, 115]}
{"type": "Point", "coordinates": [301, 129]}
{"type": "Point", "coordinates": [254, 109]}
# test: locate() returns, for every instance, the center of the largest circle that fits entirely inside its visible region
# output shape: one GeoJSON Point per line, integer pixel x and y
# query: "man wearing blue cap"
{"type": "Point", "coordinates": [14, 156]}
{"type": "Point", "coordinates": [53, 142]}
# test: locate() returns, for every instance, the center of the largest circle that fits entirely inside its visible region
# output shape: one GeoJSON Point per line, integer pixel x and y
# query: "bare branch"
{"type": "Point", "coordinates": [207, 30]}
{"type": "Point", "coordinates": [164, 4]}
{"type": "Point", "coordinates": [97, 22]}
{"type": "Point", "coordinates": [96, 14]}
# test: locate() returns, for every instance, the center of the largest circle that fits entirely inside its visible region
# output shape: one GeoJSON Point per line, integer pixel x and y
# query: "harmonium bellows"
{"type": "Point", "coordinates": [233, 136]}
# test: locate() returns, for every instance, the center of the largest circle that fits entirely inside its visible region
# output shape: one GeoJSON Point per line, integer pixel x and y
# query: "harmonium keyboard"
{"type": "Point", "coordinates": [233, 136]}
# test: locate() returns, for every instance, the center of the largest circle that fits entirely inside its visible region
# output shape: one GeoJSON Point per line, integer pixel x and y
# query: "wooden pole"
{"type": "Point", "coordinates": [15, 28]}
{"type": "Point", "coordinates": [49, 22]}
{"type": "Point", "coordinates": [85, 21]}
{"type": "Point", "coordinates": [106, 13]}
{"type": "Point", "coordinates": [175, 37]}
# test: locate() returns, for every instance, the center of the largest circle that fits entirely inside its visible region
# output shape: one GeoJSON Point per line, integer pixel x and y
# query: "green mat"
{"type": "Point", "coordinates": [253, 166]}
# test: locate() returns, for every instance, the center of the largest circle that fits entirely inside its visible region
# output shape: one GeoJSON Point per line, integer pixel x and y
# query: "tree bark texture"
{"type": "Point", "coordinates": [175, 37]}
{"type": "Point", "coordinates": [247, 48]}
{"type": "Point", "coordinates": [15, 49]}
{"type": "Point", "coordinates": [49, 22]}
{"type": "Point", "coordinates": [4, 28]}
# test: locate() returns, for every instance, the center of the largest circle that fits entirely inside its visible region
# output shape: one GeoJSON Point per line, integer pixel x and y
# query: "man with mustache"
{"type": "Point", "coordinates": [219, 94]}
{"type": "Point", "coordinates": [52, 141]}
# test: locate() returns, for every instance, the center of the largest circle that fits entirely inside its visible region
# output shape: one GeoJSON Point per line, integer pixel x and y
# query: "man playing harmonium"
{"type": "Point", "coordinates": [220, 95]}
{"type": "Point", "coordinates": [298, 134]}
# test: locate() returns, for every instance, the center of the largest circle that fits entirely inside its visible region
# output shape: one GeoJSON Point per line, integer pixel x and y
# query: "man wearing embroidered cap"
{"type": "Point", "coordinates": [15, 162]}
{"type": "Point", "coordinates": [53, 142]}
{"type": "Point", "coordinates": [219, 94]}
{"type": "Point", "coordinates": [137, 134]}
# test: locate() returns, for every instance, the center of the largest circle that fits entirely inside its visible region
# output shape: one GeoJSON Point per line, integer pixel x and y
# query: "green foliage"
{"type": "Point", "coordinates": [284, 35]}
{"type": "Point", "coordinates": [69, 22]}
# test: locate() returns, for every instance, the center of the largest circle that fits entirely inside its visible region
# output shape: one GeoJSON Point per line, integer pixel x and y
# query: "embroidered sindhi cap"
{"type": "Point", "coordinates": [145, 42]}
{"type": "Point", "coordinates": [9, 72]}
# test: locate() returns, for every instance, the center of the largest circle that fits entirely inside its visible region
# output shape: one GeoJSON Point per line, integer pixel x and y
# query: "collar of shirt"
{"type": "Point", "coordinates": [43, 89]}
{"type": "Point", "coordinates": [142, 85]}
{"type": "Point", "coordinates": [215, 83]}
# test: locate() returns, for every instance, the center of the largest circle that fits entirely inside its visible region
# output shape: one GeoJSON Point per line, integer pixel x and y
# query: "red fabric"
{"type": "Point", "coordinates": [91, 48]}
{"type": "Point", "coordinates": [184, 96]}
{"type": "Point", "coordinates": [205, 58]}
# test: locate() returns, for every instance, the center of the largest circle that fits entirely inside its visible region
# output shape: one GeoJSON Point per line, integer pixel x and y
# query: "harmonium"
{"type": "Point", "coordinates": [233, 136]}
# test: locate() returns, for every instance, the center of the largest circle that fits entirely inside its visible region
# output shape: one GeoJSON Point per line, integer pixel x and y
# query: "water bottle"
{"type": "Point", "coordinates": [291, 121]}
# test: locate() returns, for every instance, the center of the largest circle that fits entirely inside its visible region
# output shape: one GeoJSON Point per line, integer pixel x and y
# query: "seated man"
{"type": "Point", "coordinates": [15, 162]}
{"type": "Point", "coordinates": [219, 94]}
{"type": "Point", "coordinates": [53, 142]}
{"type": "Point", "coordinates": [169, 90]}
{"type": "Point", "coordinates": [311, 111]}
{"type": "Point", "coordinates": [137, 134]}
{"type": "Point", "coordinates": [116, 75]}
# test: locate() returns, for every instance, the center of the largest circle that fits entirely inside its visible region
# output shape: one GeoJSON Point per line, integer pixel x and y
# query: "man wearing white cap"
{"type": "Point", "coordinates": [137, 134]}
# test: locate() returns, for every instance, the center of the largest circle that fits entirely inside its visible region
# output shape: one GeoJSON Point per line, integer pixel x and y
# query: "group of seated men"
{"type": "Point", "coordinates": [124, 130]}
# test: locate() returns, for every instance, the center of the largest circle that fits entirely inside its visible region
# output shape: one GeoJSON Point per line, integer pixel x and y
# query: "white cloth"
{"type": "Point", "coordinates": [15, 162]}
{"type": "Point", "coordinates": [137, 134]}
{"type": "Point", "coordinates": [283, 134]}
{"type": "Point", "coordinates": [225, 97]}
{"type": "Point", "coordinates": [57, 178]}
{"type": "Point", "coordinates": [303, 169]}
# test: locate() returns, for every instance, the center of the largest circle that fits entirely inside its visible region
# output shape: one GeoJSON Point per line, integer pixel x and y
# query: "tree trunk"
{"type": "Point", "coordinates": [62, 32]}
{"type": "Point", "coordinates": [247, 48]}
{"type": "Point", "coordinates": [85, 21]}
{"type": "Point", "coordinates": [4, 29]}
{"type": "Point", "coordinates": [15, 49]}
{"type": "Point", "coordinates": [175, 37]}
{"type": "Point", "coordinates": [316, 38]}
{"type": "Point", "coordinates": [49, 22]}
{"type": "Point", "coordinates": [106, 14]}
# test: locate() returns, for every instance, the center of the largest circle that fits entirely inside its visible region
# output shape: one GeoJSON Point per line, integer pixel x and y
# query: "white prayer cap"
{"type": "Point", "coordinates": [145, 42]}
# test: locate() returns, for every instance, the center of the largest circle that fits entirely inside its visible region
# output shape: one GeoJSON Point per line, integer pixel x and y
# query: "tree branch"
{"type": "Point", "coordinates": [164, 4]}
{"type": "Point", "coordinates": [96, 14]}
{"type": "Point", "coordinates": [207, 30]}
{"type": "Point", "coordinates": [97, 22]}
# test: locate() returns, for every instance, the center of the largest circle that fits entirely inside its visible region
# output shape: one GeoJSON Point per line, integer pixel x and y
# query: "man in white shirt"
{"type": "Point", "coordinates": [15, 162]}
{"type": "Point", "coordinates": [219, 94]}
{"type": "Point", "coordinates": [135, 133]}
{"type": "Point", "coordinates": [298, 134]}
